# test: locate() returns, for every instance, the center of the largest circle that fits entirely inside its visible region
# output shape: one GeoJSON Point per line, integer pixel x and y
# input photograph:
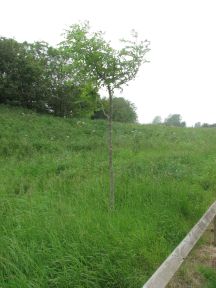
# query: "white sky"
{"type": "Point", "coordinates": [181, 77]}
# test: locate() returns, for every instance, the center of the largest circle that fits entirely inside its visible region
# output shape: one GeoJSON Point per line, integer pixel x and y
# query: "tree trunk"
{"type": "Point", "coordinates": [111, 172]}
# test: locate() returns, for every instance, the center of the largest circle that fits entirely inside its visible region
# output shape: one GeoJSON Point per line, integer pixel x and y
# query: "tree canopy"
{"type": "Point", "coordinates": [174, 120]}
{"type": "Point", "coordinates": [90, 56]}
{"type": "Point", "coordinates": [33, 75]}
{"type": "Point", "coordinates": [123, 110]}
{"type": "Point", "coordinates": [157, 120]}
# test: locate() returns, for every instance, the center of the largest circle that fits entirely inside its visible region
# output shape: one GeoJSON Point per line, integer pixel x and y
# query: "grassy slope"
{"type": "Point", "coordinates": [56, 230]}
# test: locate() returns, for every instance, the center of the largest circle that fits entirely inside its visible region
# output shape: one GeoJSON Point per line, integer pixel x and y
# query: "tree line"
{"type": "Point", "coordinates": [204, 125]}
{"type": "Point", "coordinates": [176, 120]}
{"type": "Point", "coordinates": [41, 77]}
{"type": "Point", "coordinates": [171, 120]}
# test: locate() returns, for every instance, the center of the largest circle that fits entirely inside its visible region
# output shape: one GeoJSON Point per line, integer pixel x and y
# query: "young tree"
{"type": "Point", "coordinates": [89, 56]}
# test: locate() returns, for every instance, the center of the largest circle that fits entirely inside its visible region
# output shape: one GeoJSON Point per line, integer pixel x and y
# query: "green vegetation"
{"type": "Point", "coordinates": [210, 276]}
{"type": "Point", "coordinates": [123, 110]}
{"type": "Point", "coordinates": [65, 80]}
{"type": "Point", "coordinates": [35, 76]}
{"type": "Point", "coordinates": [174, 120]}
{"type": "Point", "coordinates": [56, 228]}
{"type": "Point", "coordinates": [91, 58]}
{"type": "Point", "coordinates": [157, 120]}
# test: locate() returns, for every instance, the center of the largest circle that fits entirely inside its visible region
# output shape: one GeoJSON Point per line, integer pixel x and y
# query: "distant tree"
{"type": "Point", "coordinates": [197, 125]}
{"type": "Point", "coordinates": [123, 110]}
{"type": "Point", "coordinates": [174, 120]}
{"type": "Point", "coordinates": [206, 125]}
{"type": "Point", "coordinates": [90, 56]}
{"type": "Point", "coordinates": [157, 120]}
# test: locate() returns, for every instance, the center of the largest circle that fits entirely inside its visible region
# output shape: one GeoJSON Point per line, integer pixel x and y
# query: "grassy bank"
{"type": "Point", "coordinates": [56, 228]}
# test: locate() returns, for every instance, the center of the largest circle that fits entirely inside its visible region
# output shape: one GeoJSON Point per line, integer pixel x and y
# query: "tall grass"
{"type": "Point", "coordinates": [56, 228]}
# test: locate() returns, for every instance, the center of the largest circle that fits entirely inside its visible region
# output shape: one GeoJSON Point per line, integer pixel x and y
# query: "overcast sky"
{"type": "Point", "coordinates": [181, 77]}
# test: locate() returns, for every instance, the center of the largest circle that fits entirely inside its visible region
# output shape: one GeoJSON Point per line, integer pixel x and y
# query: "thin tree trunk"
{"type": "Point", "coordinates": [111, 172]}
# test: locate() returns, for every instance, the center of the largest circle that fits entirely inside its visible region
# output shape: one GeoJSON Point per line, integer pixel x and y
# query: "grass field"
{"type": "Point", "coordinates": [56, 228]}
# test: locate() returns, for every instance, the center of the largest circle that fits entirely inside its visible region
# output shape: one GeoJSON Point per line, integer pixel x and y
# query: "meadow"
{"type": "Point", "coordinates": [56, 226]}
